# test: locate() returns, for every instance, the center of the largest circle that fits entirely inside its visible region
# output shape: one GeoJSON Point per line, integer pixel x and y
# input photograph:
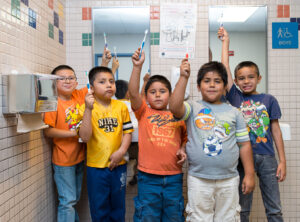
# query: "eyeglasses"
{"type": "Point", "coordinates": [70, 78]}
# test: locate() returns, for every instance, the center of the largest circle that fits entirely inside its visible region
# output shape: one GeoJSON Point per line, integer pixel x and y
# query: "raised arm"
{"type": "Point", "coordinates": [224, 37]}
{"type": "Point", "coordinates": [177, 97]}
{"type": "Point", "coordinates": [115, 65]}
{"type": "Point", "coordinates": [134, 82]}
{"type": "Point", "coordinates": [246, 156]}
{"type": "Point", "coordinates": [106, 57]}
{"type": "Point", "coordinates": [85, 131]}
{"type": "Point", "coordinates": [277, 136]}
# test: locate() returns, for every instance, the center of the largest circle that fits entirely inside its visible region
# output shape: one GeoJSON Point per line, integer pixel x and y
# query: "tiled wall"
{"type": "Point", "coordinates": [283, 80]}
{"type": "Point", "coordinates": [34, 37]}
{"type": "Point", "coordinates": [28, 44]}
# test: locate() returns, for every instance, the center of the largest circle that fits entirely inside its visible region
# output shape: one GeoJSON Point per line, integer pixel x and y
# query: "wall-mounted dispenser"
{"type": "Point", "coordinates": [27, 96]}
{"type": "Point", "coordinates": [29, 93]}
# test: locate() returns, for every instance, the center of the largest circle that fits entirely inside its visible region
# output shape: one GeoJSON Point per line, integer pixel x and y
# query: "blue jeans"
{"type": "Point", "coordinates": [265, 168]}
{"type": "Point", "coordinates": [106, 191]}
{"type": "Point", "coordinates": [159, 198]}
{"type": "Point", "coordinates": [68, 180]}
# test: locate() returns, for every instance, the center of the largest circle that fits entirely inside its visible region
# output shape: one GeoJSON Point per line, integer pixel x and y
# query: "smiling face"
{"type": "Point", "coordinates": [212, 87]}
{"type": "Point", "coordinates": [158, 96]}
{"type": "Point", "coordinates": [247, 79]}
{"type": "Point", "coordinates": [67, 84]}
{"type": "Point", "coordinates": [104, 86]}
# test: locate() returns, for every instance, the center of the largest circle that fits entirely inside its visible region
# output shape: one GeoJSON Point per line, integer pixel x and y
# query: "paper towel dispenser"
{"type": "Point", "coordinates": [29, 93]}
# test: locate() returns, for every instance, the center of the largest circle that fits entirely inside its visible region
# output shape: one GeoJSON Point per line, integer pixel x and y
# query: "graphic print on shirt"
{"type": "Point", "coordinates": [218, 131]}
{"type": "Point", "coordinates": [163, 129]}
{"type": "Point", "coordinates": [257, 120]}
{"type": "Point", "coordinates": [108, 124]}
{"type": "Point", "coordinates": [72, 116]}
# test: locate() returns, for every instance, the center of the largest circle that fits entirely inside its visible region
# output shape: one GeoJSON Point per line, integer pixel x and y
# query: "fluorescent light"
{"type": "Point", "coordinates": [236, 14]}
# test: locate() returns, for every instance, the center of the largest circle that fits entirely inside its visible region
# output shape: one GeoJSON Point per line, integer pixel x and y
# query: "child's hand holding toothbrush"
{"type": "Point", "coordinates": [106, 57]}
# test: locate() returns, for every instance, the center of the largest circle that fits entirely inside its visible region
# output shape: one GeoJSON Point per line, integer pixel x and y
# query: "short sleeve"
{"type": "Point", "coordinates": [127, 124]}
{"type": "Point", "coordinates": [139, 112]}
{"type": "Point", "coordinates": [234, 95]}
{"type": "Point", "coordinates": [80, 116]}
{"type": "Point", "coordinates": [50, 118]}
{"type": "Point", "coordinates": [241, 128]}
{"type": "Point", "coordinates": [274, 112]}
{"type": "Point", "coordinates": [183, 134]}
{"type": "Point", "coordinates": [187, 111]}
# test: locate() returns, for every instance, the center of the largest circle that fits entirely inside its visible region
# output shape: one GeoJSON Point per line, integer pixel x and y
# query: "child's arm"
{"type": "Point", "coordinates": [176, 101]}
{"type": "Point", "coordinates": [115, 65]}
{"type": "Point", "coordinates": [85, 131]}
{"type": "Point", "coordinates": [277, 136]}
{"type": "Point", "coordinates": [117, 156]}
{"type": "Point", "coordinates": [246, 156]}
{"type": "Point", "coordinates": [134, 82]}
{"type": "Point", "coordinates": [59, 133]}
{"type": "Point", "coordinates": [106, 57]}
{"type": "Point", "coordinates": [146, 78]}
{"type": "Point", "coordinates": [225, 56]}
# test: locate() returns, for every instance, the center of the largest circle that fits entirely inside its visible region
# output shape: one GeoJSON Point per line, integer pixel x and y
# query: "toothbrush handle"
{"type": "Point", "coordinates": [142, 47]}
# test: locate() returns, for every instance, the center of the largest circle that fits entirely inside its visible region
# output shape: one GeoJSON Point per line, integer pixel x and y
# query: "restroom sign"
{"type": "Point", "coordinates": [285, 35]}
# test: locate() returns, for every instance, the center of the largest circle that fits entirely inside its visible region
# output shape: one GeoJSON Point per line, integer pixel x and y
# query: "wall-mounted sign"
{"type": "Point", "coordinates": [285, 35]}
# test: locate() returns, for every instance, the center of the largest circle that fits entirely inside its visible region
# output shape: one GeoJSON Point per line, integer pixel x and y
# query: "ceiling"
{"type": "Point", "coordinates": [255, 23]}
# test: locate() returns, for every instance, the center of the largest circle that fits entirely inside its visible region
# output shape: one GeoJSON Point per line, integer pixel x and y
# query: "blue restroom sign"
{"type": "Point", "coordinates": [285, 35]}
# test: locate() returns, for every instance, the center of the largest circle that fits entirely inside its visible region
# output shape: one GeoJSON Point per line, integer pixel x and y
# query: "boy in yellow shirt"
{"type": "Point", "coordinates": [106, 128]}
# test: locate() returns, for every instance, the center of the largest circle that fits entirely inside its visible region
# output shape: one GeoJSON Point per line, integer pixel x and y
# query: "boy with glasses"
{"type": "Point", "coordinates": [68, 154]}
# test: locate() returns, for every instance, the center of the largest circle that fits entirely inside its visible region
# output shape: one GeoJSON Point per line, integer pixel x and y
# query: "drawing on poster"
{"type": "Point", "coordinates": [177, 30]}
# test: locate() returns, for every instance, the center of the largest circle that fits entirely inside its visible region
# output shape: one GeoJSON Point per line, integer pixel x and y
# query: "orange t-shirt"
{"type": "Point", "coordinates": [67, 151]}
{"type": "Point", "coordinates": [160, 137]}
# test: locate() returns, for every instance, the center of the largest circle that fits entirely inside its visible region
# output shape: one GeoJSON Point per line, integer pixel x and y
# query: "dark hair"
{"type": "Point", "coordinates": [246, 64]}
{"type": "Point", "coordinates": [158, 78]}
{"type": "Point", "coordinates": [212, 67]}
{"type": "Point", "coordinates": [98, 69]}
{"type": "Point", "coordinates": [121, 89]}
{"type": "Point", "coordinates": [60, 67]}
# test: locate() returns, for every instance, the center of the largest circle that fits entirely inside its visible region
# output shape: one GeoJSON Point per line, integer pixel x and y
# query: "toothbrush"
{"type": "Point", "coordinates": [187, 50]}
{"type": "Point", "coordinates": [115, 51]}
{"type": "Point", "coordinates": [143, 43]}
{"type": "Point", "coordinates": [221, 24]}
{"type": "Point", "coordinates": [105, 42]}
{"type": "Point", "coordinates": [88, 81]}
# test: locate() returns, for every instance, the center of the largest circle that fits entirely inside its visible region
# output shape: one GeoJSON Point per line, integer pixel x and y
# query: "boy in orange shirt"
{"type": "Point", "coordinates": [68, 154]}
{"type": "Point", "coordinates": [161, 152]}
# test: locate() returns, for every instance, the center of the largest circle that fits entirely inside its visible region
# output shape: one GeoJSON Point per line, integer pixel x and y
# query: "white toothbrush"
{"type": "Point", "coordinates": [221, 24]}
{"type": "Point", "coordinates": [143, 43]}
{"type": "Point", "coordinates": [115, 51]}
{"type": "Point", "coordinates": [187, 50]}
{"type": "Point", "coordinates": [88, 81]}
{"type": "Point", "coordinates": [105, 42]}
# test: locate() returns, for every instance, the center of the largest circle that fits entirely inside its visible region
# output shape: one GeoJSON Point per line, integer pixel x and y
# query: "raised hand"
{"type": "Point", "coordinates": [185, 69]}
{"type": "Point", "coordinates": [136, 60]}
{"type": "Point", "coordinates": [89, 100]}
{"type": "Point", "coordinates": [106, 57]}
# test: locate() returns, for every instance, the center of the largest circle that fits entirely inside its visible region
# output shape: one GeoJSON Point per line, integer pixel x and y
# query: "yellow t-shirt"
{"type": "Point", "coordinates": [108, 126]}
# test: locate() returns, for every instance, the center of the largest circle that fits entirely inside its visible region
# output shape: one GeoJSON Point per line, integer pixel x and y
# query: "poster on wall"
{"type": "Point", "coordinates": [177, 30]}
